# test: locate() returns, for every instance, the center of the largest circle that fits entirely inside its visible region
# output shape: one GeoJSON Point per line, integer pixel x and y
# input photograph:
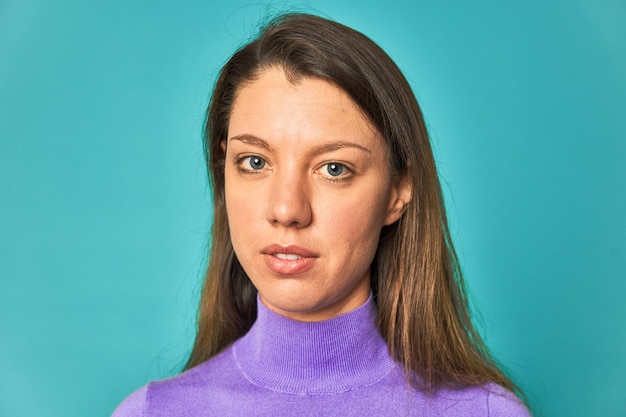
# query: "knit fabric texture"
{"type": "Point", "coordinates": [283, 367]}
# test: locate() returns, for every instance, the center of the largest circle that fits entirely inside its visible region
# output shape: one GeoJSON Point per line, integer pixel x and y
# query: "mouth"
{"type": "Point", "coordinates": [289, 260]}
{"type": "Point", "coordinates": [288, 256]}
{"type": "Point", "coordinates": [291, 252]}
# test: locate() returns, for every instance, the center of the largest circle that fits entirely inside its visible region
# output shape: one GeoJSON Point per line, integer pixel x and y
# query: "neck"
{"type": "Point", "coordinates": [335, 355]}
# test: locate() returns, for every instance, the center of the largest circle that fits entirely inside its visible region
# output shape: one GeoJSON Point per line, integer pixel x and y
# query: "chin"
{"type": "Point", "coordinates": [297, 302]}
{"type": "Point", "coordinates": [308, 306]}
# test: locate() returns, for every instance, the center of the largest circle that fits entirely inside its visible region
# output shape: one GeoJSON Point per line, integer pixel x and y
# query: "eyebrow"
{"type": "Point", "coordinates": [318, 150]}
{"type": "Point", "coordinates": [252, 140]}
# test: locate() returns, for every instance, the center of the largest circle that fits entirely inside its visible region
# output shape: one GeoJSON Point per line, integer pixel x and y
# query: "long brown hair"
{"type": "Point", "coordinates": [423, 311]}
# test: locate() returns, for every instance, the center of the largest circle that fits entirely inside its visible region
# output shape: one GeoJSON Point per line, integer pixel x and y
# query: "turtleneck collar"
{"type": "Point", "coordinates": [336, 355]}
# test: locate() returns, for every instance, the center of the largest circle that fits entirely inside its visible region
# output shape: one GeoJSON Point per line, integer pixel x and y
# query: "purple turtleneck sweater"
{"type": "Point", "coordinates": [283, 367]}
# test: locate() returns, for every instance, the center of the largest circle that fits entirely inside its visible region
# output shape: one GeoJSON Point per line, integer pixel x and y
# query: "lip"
{"type": "Point", "coordinates": [283, 265]}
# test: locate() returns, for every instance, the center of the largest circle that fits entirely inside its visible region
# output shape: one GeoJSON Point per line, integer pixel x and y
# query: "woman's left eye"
{"type": "Point", "coordinates": [334, 171]}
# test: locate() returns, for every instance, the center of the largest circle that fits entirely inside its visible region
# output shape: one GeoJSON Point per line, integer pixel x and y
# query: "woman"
{"type": "Point", "coordinates": [333, 287]}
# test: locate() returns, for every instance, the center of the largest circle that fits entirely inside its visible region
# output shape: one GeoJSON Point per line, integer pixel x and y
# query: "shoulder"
{"type": "Point", "coordinates": [190, 386]}
{"type": "Point", "coordinates": [133, 405]}
{"type": "Point", "coordinates": [490, 400]}
{"type": "Point", "coordinates": [502, 402]}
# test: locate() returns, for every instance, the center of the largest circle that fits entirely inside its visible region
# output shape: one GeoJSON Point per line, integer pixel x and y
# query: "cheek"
{"type": "Point", "coordinates": [357, 224]}
{"type": "Point", "coordinates": [243, 235]}
{"type": "Point", "coordinates": [241, 208]}
{"type": "Point", "coordinates": [238, 206]}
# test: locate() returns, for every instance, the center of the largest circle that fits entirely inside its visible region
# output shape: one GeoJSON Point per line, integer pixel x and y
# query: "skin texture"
{"type": "Point", "coordinates": [286, 144]}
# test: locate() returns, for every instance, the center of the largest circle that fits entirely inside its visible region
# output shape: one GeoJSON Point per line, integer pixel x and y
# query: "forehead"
{"type": "Point", "coordinates": [274, 108]}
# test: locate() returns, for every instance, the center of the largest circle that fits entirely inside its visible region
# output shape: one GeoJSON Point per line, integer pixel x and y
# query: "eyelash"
{"type": "Point", "coordinates": [342, 178]}
{"type": "Point", "coordinates": [249, 171]}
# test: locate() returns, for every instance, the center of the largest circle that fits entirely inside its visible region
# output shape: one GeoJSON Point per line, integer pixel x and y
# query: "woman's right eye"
{"type": "Point", "coordinates": [251, 163]}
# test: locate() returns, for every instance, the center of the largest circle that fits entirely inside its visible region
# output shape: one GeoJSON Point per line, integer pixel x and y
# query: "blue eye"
{"type": "Point", "coordinates": [256, 163]}
{"type": "Point", "coordinates": [334, 170]}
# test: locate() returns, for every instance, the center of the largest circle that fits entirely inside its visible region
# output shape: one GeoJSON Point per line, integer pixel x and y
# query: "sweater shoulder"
{"type": "Point", "coordinates": [490, 400]}
{"type": "Point", "coordinates": [502, 402]}
{"type": "Point", "coordinates": [168, 396]}
{"type": "Point", "coordinates": [133, 405]}
{"type": "Point", "coordinates": [216, 370]}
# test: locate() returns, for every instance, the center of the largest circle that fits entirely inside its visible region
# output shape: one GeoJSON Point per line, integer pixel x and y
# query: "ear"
{"type": "Point", "coordinates": [400, 198]}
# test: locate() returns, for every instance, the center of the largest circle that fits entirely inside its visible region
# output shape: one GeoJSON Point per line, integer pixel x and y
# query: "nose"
{"type": "Point", "coordinates": [289, 202]}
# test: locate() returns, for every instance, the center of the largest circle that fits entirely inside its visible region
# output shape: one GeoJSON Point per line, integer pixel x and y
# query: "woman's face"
{"type": "Point", "coordinates": [308, 190]}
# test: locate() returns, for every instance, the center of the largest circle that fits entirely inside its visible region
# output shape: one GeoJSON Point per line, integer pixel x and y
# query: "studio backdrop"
{"type": "Point", "coordinates": [105, 209]}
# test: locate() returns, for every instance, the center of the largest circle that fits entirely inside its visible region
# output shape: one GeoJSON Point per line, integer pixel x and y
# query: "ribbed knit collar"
{"type": "Point", "coordinates": [336, 355]}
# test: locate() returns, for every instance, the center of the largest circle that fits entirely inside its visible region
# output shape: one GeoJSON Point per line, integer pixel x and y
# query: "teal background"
{"type": "Point", "coordinates": [104, 208]}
